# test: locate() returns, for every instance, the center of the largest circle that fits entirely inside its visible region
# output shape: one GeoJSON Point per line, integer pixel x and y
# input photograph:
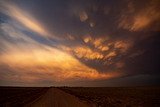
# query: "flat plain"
{"type": "Point", "coordinates": [117, 96]}
{"type": "Point", "coordinates": [80, 96]}
{"type": "Point", "coordinates": [19, 96]}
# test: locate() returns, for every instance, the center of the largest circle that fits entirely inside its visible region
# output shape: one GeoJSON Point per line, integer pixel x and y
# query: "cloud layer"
{"type": "Point", "coordinates": [66, 42]}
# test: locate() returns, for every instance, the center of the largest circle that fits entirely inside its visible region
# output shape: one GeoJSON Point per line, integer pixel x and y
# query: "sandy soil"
{"type": "Point", "coordinates": [57, 98]}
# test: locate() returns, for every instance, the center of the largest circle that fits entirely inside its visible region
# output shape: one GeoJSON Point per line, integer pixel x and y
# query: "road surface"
{"type": "Point", "coordinates": [57, 98]}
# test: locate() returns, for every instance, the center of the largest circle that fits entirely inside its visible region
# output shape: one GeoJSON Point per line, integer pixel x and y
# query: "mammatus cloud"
{"type": "Point", "coordinates": [32, 61]}
{"type": "Point", "coordinates": [123, 45]}
{"type": "Point", "coordinates": [98, 48]}
{"type": "Point", "coordinates": [83, 16]}
{"type": "Point", "coordinates": [87, 53]}
{"type": "Point", "coordinates": [60, 65]}
{"type": "Point", "coordinates": [59, 41]}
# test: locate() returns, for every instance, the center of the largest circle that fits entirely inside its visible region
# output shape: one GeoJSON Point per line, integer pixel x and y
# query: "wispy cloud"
{"type": "Point", "coordinates": [23, 18]}
{"type": "Point", "coordinates": [60, 65]}
{"type": "Point", "coordinates": [141, 19]}
{"type": "Point", "coordinates": [32, 61]}
{"type": "Point", "coordinates": [77, 40]}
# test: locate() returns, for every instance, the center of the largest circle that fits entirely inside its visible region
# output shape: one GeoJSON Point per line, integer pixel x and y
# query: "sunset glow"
{"type": "Point", "coordinates": [101, 42]}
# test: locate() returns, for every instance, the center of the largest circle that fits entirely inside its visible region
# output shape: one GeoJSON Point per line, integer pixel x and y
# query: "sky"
{"type": "Point", "coordinates": [79, 42]}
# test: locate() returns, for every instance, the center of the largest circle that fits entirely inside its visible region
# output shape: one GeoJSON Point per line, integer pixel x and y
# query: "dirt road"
{"type": "Point", "coordinates": [57, 98]}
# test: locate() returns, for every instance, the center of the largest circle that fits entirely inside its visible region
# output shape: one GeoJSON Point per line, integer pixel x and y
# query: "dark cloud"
{"type": "Point", "coordinates": [147, 59]}
{"type": "Point", "coordinates": [107, 36]}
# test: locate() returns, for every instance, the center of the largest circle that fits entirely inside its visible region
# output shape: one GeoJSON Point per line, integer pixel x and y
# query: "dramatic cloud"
{"type": "Point", "coordinates": [87, 42]}
{"type": "Point", "coordinates": [135, 21]}
{"type": "Point", "coordinates": [22, 17]}
{"type": "Point", "coordinates": [58, 64]}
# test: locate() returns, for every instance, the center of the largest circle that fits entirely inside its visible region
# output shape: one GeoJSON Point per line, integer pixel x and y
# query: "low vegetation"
{"type": "Point", "coordinates": [117, 96]}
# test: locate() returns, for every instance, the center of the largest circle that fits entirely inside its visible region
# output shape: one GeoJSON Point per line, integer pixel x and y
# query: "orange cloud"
{"type": "Point", "coordinates": [87, 39]}
{"type": "Point", "coordinates": [57, 64]}
{"type": "Point", "coordinates": [141, 19]}
{"type": "Point", "coordinates": [97, 42]}
{"type": "Point", "coordinates": [122, 45]}
{"type": "Point", "coordinates": [110, 55]}
{"type": "Point", "coordinates": [85, 52]}
{"type": "Point", "coordinates": [140, 22]}
{"type": "Point", "coordinates": [103, 48]}
{"type": "Point", "coordinates": [145, 18]}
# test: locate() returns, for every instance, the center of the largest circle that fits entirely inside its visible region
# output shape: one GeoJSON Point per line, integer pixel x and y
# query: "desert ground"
{"type": "Point", "coordinates": [79, 96]}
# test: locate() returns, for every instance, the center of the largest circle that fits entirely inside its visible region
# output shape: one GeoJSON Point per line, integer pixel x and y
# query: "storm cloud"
{"type": "Point", "coordinates": [85, 42]}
